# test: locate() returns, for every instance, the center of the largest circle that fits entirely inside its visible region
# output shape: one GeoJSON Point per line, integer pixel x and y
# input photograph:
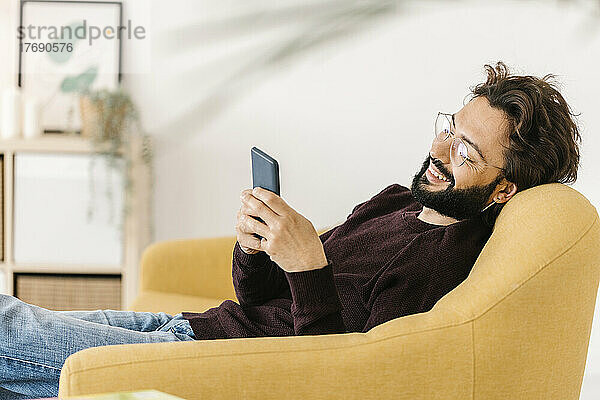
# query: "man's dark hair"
{"type": "Point", "coordinates": [543, 135]}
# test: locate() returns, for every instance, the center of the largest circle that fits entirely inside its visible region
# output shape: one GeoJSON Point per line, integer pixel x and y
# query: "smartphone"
{"type": "Point", "coordinates": [265, 173]}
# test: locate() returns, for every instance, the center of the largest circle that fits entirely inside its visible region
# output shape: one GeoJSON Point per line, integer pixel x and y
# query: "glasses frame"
{"type": "Point", "coordinates": [450, 119]}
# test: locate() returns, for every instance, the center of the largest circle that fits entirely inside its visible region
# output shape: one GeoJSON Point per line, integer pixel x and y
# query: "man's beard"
{"type": "Point", "coordinates": [451, 202]}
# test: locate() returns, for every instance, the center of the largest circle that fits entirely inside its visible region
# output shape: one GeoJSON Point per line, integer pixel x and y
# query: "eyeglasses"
{"type": "Point", "coordinates": [458, 149]}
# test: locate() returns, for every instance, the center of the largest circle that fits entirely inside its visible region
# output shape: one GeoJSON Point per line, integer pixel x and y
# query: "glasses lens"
{"type": "Point", "coordinates": [459, 152]}
{"type": "Point", "coordinates": [442, 127]}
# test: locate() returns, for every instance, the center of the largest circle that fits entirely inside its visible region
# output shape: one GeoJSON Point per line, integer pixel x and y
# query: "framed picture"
{"type": "Point", "coordinates": [66, 48]}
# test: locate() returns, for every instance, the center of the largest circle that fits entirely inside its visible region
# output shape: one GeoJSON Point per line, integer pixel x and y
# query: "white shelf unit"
{"type": "Point", "coordinates": [136, 233]}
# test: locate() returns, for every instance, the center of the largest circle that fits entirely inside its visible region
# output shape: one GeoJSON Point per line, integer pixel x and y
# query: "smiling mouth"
{"type": "Point", "coordinates": [435, 177]}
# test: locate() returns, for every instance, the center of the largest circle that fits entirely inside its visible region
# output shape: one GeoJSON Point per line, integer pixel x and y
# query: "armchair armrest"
{"type": "Point", "coordinates": [413, 357]}
{"type": "Point", "coordinates": [196, 267]}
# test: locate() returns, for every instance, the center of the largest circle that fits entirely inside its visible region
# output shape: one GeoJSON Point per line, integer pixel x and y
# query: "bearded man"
{"type": "Point", "coordinates": [396, 254]}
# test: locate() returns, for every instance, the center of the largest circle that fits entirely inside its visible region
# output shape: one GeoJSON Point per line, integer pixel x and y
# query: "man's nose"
{"type": "Point", "coordinates": [441, 151]}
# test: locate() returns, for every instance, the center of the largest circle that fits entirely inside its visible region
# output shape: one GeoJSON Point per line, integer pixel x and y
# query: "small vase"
{"type": "Point", "coordinates": [101, 121]}
{"type": "Point", "coordinates": [31, 119]}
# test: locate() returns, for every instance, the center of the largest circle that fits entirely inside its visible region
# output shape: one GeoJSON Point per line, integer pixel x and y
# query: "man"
{"type": "Point", "coordinates": [396, 254]}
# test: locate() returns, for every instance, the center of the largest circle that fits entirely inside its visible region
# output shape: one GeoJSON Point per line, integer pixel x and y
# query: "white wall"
{"type": "Point", "coordinates": [347, 119]}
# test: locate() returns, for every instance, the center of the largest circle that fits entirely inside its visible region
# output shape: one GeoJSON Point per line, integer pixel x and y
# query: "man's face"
{"type": "Point", "coordinates": [472, 185]}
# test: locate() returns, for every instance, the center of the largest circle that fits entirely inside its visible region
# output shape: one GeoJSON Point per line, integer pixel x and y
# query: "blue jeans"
{"type": "Point", "coordinates": [35, 342]}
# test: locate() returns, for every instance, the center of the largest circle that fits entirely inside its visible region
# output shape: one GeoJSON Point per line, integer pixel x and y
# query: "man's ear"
{"type": "Point", "coordinates": [509, 189]}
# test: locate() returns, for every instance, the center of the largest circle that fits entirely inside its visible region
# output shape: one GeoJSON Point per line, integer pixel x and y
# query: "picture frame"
{"type": "Point", "coordinates": [69, 58]}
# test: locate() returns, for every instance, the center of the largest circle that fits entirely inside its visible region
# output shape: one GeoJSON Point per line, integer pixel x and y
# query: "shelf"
{"type": "Point", "coordinates": [135, 235]}
{"type": "Point", "coordinates": [60, 143]}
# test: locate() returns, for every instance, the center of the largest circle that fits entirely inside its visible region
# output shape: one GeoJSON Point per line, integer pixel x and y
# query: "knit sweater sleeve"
{"type": "Point", "coordinates": [316, 307]}
{"type": "Point", "coordinates": [256, 278]}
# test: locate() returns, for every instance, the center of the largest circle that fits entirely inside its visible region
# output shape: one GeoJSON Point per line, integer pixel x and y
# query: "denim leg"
{"type": "Point", "coordinates": [136, 321]}
{"type": "Point", "coordinates": [35, 342]}
{"type": "Point", "coordinates": [8, 395]}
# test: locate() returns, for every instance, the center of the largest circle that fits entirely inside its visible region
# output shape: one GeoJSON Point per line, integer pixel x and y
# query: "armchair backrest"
{"type": "Point", "coordinates": [531, 295]}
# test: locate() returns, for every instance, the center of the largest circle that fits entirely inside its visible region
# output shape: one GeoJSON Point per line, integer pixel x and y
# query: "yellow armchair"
{"type": "Point", "coordinates": [517, 327]}
{"type": "Point", "coordinates": [185, 275]}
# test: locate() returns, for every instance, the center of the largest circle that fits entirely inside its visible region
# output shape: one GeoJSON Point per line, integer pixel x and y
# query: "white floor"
{"type": "Point", "coordinates": [590, 390]}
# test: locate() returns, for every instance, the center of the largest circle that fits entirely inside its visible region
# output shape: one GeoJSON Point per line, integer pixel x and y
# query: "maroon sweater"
{"type": "Point", "coordinates": [384, 263]}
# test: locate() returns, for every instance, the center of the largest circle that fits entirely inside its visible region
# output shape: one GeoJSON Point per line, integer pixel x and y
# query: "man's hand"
{"type": "Point", "coordinates": [249, 243]}
{"type": "Point", "coordinates": [288, 238]}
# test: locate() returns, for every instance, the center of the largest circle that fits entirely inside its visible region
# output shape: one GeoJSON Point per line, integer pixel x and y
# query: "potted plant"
{"type": "Point", "coordinates": [111, 122]}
